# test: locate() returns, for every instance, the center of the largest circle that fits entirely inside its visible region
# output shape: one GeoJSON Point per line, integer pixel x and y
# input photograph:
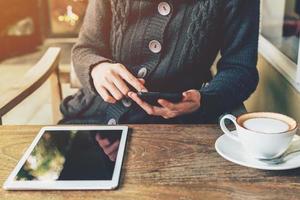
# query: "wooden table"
{"type": "Point", "coordinates": [163, 162]}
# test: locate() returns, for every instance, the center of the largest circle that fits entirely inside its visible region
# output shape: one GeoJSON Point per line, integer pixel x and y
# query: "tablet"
{"type": "Point", "coordinates": [71, 158]}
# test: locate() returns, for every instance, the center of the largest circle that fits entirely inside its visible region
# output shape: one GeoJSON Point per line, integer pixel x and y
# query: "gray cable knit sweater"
{"type": "Point", "coordinates": [190, 34]}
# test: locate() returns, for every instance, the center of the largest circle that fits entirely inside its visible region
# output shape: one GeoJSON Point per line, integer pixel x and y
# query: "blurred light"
{"type": "Point", "coordinates": [70, 17]}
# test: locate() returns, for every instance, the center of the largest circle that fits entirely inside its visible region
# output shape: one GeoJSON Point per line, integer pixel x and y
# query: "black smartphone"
{"type": "Point", "coordinates": [152, 97]}
{"type": "Point", "coordinates": [111, 135]}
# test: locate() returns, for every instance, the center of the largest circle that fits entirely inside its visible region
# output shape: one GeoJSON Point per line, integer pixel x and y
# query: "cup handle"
{"type": "Point", "coordinates": [229, 133]}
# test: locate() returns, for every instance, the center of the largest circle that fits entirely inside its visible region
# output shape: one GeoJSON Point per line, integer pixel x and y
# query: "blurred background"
{"type": "Point", "coordinates": [28, 28]}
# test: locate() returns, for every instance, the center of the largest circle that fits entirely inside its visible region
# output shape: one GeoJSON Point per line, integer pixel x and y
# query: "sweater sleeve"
{"type": "Point", "coordinates": [237, 75]}
{"type": "Point", "coordinates": [93, 46]}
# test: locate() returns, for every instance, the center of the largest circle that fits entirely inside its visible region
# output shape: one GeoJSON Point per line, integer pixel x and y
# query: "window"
{"type": "Point", "coordinates": [20, 30]}
{"type": "Point", "coordinates": [279, 41]}
{"type": "Point", "coordinates": [66, 16]}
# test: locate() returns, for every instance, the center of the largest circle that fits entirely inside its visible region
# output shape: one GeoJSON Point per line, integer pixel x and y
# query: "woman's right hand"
{"type": "Point", "coordinates": [110, 81]}
{"type": "Point", "coordinates": [109, 148]}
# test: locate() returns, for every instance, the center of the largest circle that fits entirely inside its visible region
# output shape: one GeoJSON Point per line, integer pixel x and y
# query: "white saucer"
{"type": "Point", "coordinates": [233, 151]}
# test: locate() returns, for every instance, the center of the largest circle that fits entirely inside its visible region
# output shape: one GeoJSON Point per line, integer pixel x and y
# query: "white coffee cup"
{"type": "Point", "coordinates": [263, 135]}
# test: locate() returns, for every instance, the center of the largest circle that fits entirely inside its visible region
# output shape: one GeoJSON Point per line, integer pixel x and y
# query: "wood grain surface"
{"type": "Point", "coordinates": [163, 162]}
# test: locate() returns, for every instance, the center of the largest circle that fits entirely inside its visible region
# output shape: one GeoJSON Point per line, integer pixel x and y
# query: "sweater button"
{"type": "Point", "coordinates": [126, 102]}
{"type": "Point", "coordinates": [142, 72]}
{"type": "Point", "coordinates": [164, 8]}
{"type": "Point", "coordinates": [112, 121]}
{"type": "Point", "coordinates": [155, 46]}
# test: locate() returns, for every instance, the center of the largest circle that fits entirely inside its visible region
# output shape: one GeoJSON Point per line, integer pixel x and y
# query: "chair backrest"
{"type": "Point", "coordinates": [46, 68]}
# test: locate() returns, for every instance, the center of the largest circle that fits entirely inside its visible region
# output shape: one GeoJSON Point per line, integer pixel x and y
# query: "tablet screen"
{"type": "Point", "coordinates": [72, 155]}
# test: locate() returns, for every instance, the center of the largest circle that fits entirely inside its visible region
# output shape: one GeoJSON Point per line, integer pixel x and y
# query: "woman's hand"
{"type": "Point", "coordinates": [189, 104]}
{"type": "Point", "coordinates": [110, 81]}
{"type": "Point", "coordinates": [109, 148]}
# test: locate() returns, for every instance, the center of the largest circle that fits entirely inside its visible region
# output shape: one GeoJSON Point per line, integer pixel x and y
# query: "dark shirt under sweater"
{"type": "Point", "coordinates": [191, 36]}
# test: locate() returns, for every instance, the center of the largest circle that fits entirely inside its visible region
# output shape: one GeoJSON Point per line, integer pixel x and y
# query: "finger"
{"type": "Point", "coordinates": [177, 108]}
{"type": "Point", "coordinates": [150, 110]}
{"type": "Point", "coordinates": [105, 95]}
{"type": "Point", "coordinates": [103, 142]}
{"type": "Point", "coordinates": [121, 85]}
{"type": "Point", "coordinates": [109, 150]}
{"type": "Point", "coordinates": [142, 81]}
{"type": "Point", "coordinates": [160, 111]}
{"type": "Point", "coordinates": [187, 96]}
{"type": "Point", "coordinates": [167, 104]}
{"type": "Point", "coordinates": [133, 81]}
{"type": "Point", "coordinates": [142, 104]}
{"type": "Point", "coordinates": [113, 155]}
{"type": "Point", "coordinates": [170, 115]}
{"type": "Point", "coordinates": [191, 95]}
{"type": "Point", "coordinates": [113, 90]}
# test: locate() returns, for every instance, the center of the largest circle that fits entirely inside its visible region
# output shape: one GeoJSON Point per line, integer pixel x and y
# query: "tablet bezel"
{"type": "Point", "coordinates": [11, 184]}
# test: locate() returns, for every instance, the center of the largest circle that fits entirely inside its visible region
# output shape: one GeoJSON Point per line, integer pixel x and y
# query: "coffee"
{"type": "Point", "coordinates": [263, 134]}
{"type": "Point", "coordinates": [266, 125]}
{"type": "Point", "coordinates": [266, 122]}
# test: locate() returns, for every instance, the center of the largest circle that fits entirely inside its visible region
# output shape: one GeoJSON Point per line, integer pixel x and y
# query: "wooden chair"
{"type": "Point", "coordinates": [45, 69]}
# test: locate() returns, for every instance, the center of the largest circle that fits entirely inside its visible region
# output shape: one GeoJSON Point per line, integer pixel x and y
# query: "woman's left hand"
{"type": "Point", "coordinates": [189, 104]}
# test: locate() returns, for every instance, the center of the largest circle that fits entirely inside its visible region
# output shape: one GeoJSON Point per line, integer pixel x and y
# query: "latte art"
{"type": "Point", "coordinates": [266, 125]}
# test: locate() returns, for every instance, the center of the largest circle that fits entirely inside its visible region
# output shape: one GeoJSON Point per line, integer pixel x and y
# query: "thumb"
{"type": "Point", "coordinates": [190, 95]}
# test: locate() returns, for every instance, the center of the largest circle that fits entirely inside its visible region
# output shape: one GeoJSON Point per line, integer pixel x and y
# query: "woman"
{"type": "Point", "coordinates": [127, 46]}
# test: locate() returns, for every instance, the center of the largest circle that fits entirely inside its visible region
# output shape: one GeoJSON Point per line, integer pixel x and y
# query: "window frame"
{"type": "Point", "coordinates": [281, 62]}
